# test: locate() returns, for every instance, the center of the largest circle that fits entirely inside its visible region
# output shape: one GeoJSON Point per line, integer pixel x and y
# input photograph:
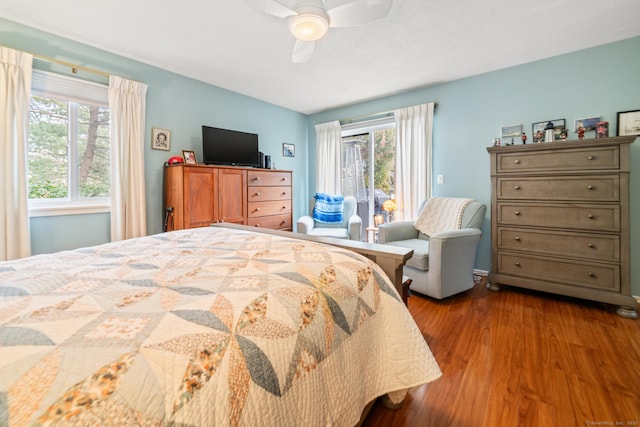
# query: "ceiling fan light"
{"type": "Point", "coordinates": [308, 27]}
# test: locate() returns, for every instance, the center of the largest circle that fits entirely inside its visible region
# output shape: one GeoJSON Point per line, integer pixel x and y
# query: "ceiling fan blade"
{"type": "Point", "coordinates": [302, 51]}
{"type": "Point", "coordinates": [356, 12]}
{"type": "Point", "coordinates": [272, 7]}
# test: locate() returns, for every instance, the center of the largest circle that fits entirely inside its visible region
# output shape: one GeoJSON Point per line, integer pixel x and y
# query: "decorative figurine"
{"type": "Point", "coordinates": [549, 132]}
{"type": "Point", "coordinates": [581, 133]}
{"type": "Point", "coordinates": [524, 138]}
{"type": "Point", "coordinates": [564, 134]}
{"type": "Point", "coordinates": [538, 137]}
{"type": "Point", "coordinates": [496, 142]}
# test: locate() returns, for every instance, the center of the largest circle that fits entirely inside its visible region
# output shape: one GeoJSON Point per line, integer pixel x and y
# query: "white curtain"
{"type": "Point", "coordinates": [15, 95]}
{"type": "Point", "coordinates": [127, 106]}
{"type": "Point", "coordinates": [328, 155]}
{"type": "Point", "coordinates": [414, 135]}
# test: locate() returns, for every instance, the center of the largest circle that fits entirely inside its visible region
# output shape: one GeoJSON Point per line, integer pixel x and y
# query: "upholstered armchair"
{"type": "Point", "coordinates": [442, 263]}
{"type": "Point", "coordinates": [349, 228]}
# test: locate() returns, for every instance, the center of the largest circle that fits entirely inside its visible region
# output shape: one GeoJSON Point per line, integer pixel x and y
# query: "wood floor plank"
{"type": "Point", "coordinates": [522, 358]}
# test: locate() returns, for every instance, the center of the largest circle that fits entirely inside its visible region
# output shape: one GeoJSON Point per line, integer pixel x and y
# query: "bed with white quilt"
{"type": "Point", "coordinates": [203, 327]}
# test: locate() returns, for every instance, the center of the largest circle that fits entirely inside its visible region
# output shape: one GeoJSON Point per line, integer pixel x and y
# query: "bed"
{"type": "Point", "coordinates": [203, 327]}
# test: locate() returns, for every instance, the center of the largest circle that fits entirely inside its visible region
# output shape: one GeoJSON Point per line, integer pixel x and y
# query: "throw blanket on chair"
{"type": "Point", "coordinates": [441, 214]}
{"type": "Point", "coordinates": [328, 208]}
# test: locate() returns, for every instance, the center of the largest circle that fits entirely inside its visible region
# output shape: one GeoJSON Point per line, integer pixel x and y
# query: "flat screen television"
{"type": "Point", "coordinates": [229, 147]}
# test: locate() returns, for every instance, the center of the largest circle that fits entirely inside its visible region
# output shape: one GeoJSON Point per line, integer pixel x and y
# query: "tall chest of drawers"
{"type": "Point", "coordinates": [560, 219]}
{"type": "Point", "coordinates": [269, 199]}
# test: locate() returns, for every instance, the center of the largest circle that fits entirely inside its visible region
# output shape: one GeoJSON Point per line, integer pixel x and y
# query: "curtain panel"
{"type": "Point", "coordinates": [328, 155]}
{"type": "Point", "coordinates": [414, 140]}
{"type": "Point", "coordinates": [15, 96]}
{"type": "Point", "coordinates": [127, 106]}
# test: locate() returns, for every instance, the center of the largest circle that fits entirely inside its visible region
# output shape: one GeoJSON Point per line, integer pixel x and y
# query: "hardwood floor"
{"type": "Point", "coordinates": [521, 358]}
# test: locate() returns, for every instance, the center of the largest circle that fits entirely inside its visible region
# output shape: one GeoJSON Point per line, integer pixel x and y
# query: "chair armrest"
{"type": "Point", "coordinates": [355, 227]}
{"type": "Point", "coordinates": [304, 224]}
{"type": "Point", "coordinates": [394, 231]}
{"type": "Point", "coordinates": [463, 232]}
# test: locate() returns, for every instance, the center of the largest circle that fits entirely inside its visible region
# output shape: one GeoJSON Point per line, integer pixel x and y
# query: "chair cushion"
{"type": "Point", "coordinates": [328, 208]}
{"type": "Point", "coordinates": [339, 233]}
{"type": "Point", "coordinates": [420, 258]}
{"type": "Point", "coordinates": [349, 209]}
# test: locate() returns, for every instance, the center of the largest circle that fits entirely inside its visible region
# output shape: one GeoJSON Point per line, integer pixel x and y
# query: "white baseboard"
{"type": "Point", "coordinates": [483, 273]}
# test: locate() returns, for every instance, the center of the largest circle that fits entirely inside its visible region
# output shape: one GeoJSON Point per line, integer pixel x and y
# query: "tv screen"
{"type": "Point", "coordinates": [229, 147]}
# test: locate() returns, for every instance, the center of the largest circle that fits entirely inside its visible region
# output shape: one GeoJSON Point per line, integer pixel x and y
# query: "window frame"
{"type": "Point", "coordinates": [56, 86]}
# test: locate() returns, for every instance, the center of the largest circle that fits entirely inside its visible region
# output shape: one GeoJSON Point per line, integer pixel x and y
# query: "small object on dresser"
{"type": "Point", "coordinates": [496, 142]}
{"type": "Point", "coordinates": [581, 133]}
{"type": "Point", "coordinates": [564, 134]}
{"type": "Point", "coordinates": [524, 137]}
{"type": "Point", "coordinates": [549, 132]}
{"type": "Point", "coordinates": [602, 129]}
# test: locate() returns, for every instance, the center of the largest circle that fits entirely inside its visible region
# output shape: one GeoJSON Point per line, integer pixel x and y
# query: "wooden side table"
{"type": "Point", "coordinates": [372, 234]}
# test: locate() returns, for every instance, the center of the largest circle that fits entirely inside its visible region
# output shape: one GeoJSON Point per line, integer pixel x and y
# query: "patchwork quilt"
{"type": "Point", "coordinates": [203, 327]}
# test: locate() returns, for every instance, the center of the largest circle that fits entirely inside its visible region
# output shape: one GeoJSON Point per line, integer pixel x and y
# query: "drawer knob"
{"type": "Point", "coordinates": [592, 275]}
{"type": "Point", "coordinates": [517, 162]}
{"type": "Point", "coordinates": [590, 216]}
{"type": "Point", "coordinates": [517, 238]}
{"type": "Point", "coordinates": [284, 193]}
{"type": "Point", "coordinates": [517, 187]}
{"type": "Point", "coordinates": [517, 213]}
{"type": "Point", "coordinates": [257, 210]}
{"type": "Point", "coordinates": [589, 187]}
{"type": "Point", "coordinates": [257, 178]}
{"type": "Point", "coordinates": [591, 157]}
{"type": "Point", "coordinates": [283, 179]}
{"type": "Point", "coordinates": [257, 225]}
{"type": "Point", "coordinates": [591, 245]}
{"type": "Point", "coordinates": [284, 207]}
{"type": "Point", "coordinates": [257, 193]}
{"type": "Point", "coordinates": [517, 264]}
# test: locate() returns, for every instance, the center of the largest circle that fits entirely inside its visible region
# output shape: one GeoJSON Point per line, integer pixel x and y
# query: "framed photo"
{"type": "Point", "coordinates": [588, 123]}
{"type": "Point", "coordinates": [160, 139]}
{"type": "Point", "coordinates": [511, 131]}
{"type": "Point", "coordinates": [629, 123]}
{"type": "Point", "coordinates": [189, 157]}
{"type": "Point", "coordinates": [288, 150]}
{"type": "Point", "coordinates": [559, 127]}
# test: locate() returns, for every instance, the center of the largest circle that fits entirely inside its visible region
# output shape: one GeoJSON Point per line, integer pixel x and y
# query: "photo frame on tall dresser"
{"type": "Point", "coordinates": [288, 150]}
{"type": "Point", "coordinates": [537, 129]}
{"type": "Point", "coordinates": [628, 123]}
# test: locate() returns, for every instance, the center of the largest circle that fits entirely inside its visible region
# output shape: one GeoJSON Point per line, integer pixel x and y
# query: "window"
{"type": "Point", "coordinates": [368, 159]}
{"type": "Point", "coordinates": [68, 146]}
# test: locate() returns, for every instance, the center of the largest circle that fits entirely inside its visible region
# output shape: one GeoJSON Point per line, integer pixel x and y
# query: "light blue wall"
{"type": "Point", "coordinates": [596, 82]}
{"type": "Point", "coordinates": [177, 103]}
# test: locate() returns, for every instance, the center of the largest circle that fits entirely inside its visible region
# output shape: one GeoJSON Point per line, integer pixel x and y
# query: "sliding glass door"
{"type": "Point", "coordinates": [368, 168]}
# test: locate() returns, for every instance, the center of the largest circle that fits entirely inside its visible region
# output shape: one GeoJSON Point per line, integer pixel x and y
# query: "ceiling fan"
{"type": "Point", "coordinates": [309, 20]}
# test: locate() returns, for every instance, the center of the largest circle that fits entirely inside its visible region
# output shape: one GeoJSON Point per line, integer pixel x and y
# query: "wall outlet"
{"type": "Point", "coordinates": [440, 179]}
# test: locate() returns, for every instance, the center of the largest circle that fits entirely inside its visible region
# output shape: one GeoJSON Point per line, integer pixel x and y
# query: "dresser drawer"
{"type": "Point", "coordinates": [605, 188]}
{"type": "Point", "coordinates": [275, 222]}
{"type": "Point", "coordinates": [261, 194]}
{"type": "Point", "coordinates": [574, 216]}
{"type": "Point", "coordinates": [258, 209]}
{"type": "Point", "coordinates": [599, 276]}
{"type": "Point", "coordinates": [594, 158]}
{"type": "Point", "coordinates": [598, 247]}
{"type": "Point", "coordinates": [268, 178]}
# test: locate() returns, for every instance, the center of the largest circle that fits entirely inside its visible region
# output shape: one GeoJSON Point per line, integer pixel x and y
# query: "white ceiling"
{"type": "Point", "coordinates": [421, 42]}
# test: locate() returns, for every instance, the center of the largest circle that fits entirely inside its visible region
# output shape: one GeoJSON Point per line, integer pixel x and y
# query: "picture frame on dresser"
{"type": "Point", "coordinates": [537, 129]}
{"type": "Point", "coordinates": [628, 123]}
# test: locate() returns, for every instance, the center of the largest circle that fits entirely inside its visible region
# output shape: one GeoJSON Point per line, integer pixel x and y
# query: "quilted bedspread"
{"type": "Point", "coordinates": [204, 327]}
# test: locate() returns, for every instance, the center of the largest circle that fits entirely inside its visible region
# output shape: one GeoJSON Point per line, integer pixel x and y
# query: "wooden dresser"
{"type": "Point", "coordinates": [560, 219]}
{"type": "Point", "coordinates": [199, 195]}
{"type": "Point", "coordinates": [269, 199]}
